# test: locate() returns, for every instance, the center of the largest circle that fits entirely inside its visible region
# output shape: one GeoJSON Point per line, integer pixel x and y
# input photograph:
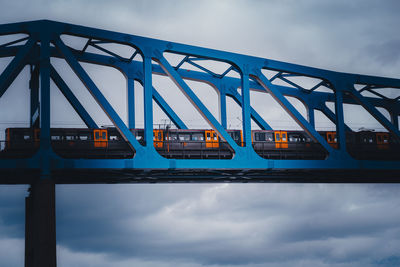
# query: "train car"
{"type": "Point", "coordinates": [194, 144]}
{"type": "Point", "coordinates": [20, 143]}
{"type": "Point", "coordinates": [374, 146]}
{"type": "Point", "coordinates": [68, 143]}
{"type": "Point", "coordinates": [197, 144]}
{"type": "Point", "coordinates": [367, 145]}
{"type": "Point", "coordinates": [89, 143]}
{"type": "Point", "coordinates": [284, 144]}
{"type": "Point", "coordinates": [191, 144]}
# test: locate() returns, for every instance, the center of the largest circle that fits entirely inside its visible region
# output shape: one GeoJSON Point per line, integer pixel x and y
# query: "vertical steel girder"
{"type": "Point", "coordinates": [34, 91]}
{"type": "Point", "coordinates": [37, 51]}
{"type": "Point", "coordinates": [130, 97]}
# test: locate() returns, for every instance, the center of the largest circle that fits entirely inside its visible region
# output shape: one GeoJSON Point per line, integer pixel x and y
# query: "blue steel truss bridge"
{"type": "Point", "coordinates": [126, 153]}
{"type": "Point", "coordinates": [42, 155]}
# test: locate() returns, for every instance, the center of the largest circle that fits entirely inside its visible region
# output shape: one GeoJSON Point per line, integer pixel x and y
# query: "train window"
{"type": "Point", "coordinates": [379, 138]}
{"type": "Point", "coordinates": [69, 137]}
{"type": "Point", "coordinates": [277, 137]}
{"type": "Point", "coordinates": [197, 137]}
{"type": "Point", "coordinates": [157, 136]}
{"type": "Point", "coordinates": [235, 136]}
{"type": "Point", "coordinates": [259, 136]}
{"type": "Point", "coordinates": [27, 137]}
{"type": "Point", "coordinates": [184, 137]}
{"type": "Point", "coordinates": [294, 138]}
{"type": "Point", "coordinates": [269, 137]}
{"type": "Point", "coordinates": [283, 137]}
{"type": "Point", "coordinates": [113, 137]}
{"type": "Point", "coordinates": [55, 137]}
{"type": "Point", "coordinates": [104, 135]}
{"type": "Point", "coordinates": [208, 136]}
{"type": "Point", "coordinates": [138, 137]}
{"type": "Point", "coordinates": [215, 137]}
{"type": "Point", "coordinates": [96, 135]}
{"type": "Point", "coordinates": [173, 136]}
{"type": "Point", "coordinates": [84, 137]}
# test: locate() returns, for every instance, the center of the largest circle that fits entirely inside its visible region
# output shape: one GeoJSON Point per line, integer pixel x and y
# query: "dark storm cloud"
{"type": "Point", "coordinates": [235, 224]}
{"type": "Point", "coordinates": [12, 201]}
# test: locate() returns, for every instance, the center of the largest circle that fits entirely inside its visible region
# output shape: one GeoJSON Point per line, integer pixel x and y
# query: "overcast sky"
{"type": "Point", "coordinates": [223, 225]}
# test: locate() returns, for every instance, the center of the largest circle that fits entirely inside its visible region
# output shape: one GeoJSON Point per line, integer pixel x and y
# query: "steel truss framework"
{"type": "Point", "coordinates": [44, 40]}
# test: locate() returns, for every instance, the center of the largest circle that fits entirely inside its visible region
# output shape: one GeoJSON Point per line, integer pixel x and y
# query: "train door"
{"type": "Point", "coordinates": [158, 138]}
{"type": "Point", "coordinates": [211, 139]}
{"type": "Point", "coordinates": [100, 138]}
{"type": "Point", "coordinates": [281, 139]}
{"type": "Point", "coordinates": [284, 139]}
{"type": "Point", "coordinates": [331, 139]}
{"type": "Point", "coordinates": [382, 140]}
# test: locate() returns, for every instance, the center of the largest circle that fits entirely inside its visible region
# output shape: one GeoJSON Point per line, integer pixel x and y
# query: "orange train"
{"type": "Point", "coordinates": [192, 144]}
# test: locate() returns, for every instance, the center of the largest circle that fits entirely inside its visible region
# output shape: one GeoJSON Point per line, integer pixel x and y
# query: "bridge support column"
{"type": "Point", "coordinates": [40, 225]}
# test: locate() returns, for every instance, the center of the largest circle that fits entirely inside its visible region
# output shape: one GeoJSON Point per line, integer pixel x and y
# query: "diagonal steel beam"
{"type": "Point", "coordinates": [254, 114]}
{"type": "Point", "coordinates": [98, 96]}
{"type": "Point", "coordinates": [331, 116]}
{"type": "Point", "coordinates": [15, 66]}
{"type": "Point", "coordinates": [374, 112]}
{"type": "Point", "coordinates": [278, 96]}
{"type": "Point", "coordinates": [168, 110]}
{"type": "Point", "coordinates": [191, 96]}
{"type": "Point", "coordinates": [69, 95]}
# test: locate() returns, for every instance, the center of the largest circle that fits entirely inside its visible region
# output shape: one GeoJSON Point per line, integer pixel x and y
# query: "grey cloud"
{"type": "Point", "coordinates": [234, 224]}
{"type": "Point", "coordinates": [386, 53]}
{"type": "Point", "coordinates": [12, 202]}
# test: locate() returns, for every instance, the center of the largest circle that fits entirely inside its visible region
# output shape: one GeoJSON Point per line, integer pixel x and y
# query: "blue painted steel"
{"type": "Point", "coordinates": [340, 131]}
{"type": "Point", "coordinates": [168, 110]}
{"type": "Point", "coordinates": [15, 66]}
{"type": "Point", "coordinates": [98, 96]}
{"type": "Point", "coordinates": [37, 48]}
{"type": "Point", "coordinates": [148, 100]}
{"type": "Point", "coordinates": [45, 146]}
{"type": "Point", "coordinates": [69, 95]}
{"type": "Point", "coordinates": [269, 87]}
{"type": "Point", "coordinates": [246, 107]}
{"type": "Point", "coordinates": [130, 85]}
{"type": "Point", "coordinates": [195, 100]}
{"type": "Point", "coordinates": [34, 87]}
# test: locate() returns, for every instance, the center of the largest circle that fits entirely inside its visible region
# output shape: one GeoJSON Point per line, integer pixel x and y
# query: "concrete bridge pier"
{"type": "Point", "coordinates": [40, 225]}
